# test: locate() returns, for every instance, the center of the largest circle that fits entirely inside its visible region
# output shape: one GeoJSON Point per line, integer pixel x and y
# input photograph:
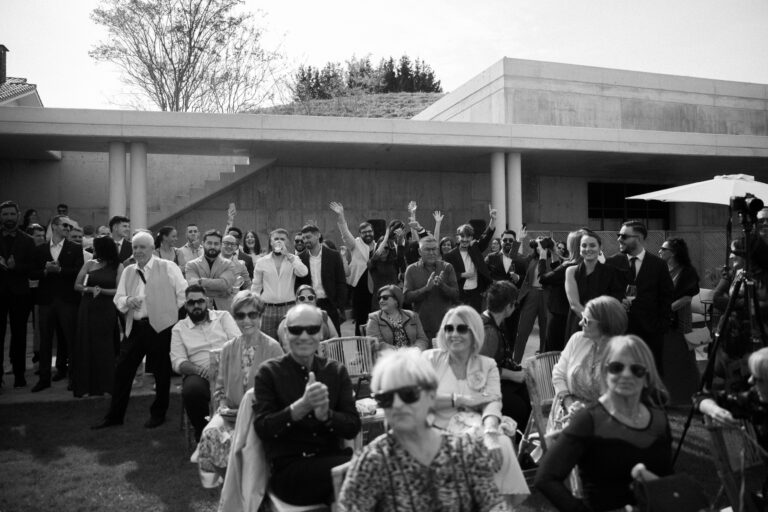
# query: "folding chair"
{"type": "Point", "coordinates": [356, 353]}
{"type": "Point", "coordinates": [736, 458]}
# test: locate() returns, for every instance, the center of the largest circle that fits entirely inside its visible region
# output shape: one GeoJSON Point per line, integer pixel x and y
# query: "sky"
{"type": "Point", "coordinates": [49, 39]}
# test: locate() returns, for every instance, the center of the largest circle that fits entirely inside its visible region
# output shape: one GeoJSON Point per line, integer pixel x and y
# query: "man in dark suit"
{"type": "Point", "coordinates": [56, 265]}
{"type": "Point", "coordinates": [649, 312]}
{"type": "Point", "coordinates": [120, 230]}
{"type": "Point", "coordinates": [507, 264]}
{"type": "Point", "coordinates": [467, 260]}
{"type": "Point", "coordinates": [16, 256]}
{"type": "Point", "coordinates": [326, 274]}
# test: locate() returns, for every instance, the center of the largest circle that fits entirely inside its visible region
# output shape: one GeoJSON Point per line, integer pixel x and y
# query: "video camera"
{"type": "Point", "coordinates": [546, 243]}
{"type": "Point", "coordinates": [747, 206]}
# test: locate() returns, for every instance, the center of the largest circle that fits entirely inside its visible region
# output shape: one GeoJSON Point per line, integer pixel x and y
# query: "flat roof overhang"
{"type": "Point", "coordinates": [345, 142]}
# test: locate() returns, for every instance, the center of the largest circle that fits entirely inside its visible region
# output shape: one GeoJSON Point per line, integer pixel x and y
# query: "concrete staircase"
{"type": "Point", "coordinates": [189, 199]}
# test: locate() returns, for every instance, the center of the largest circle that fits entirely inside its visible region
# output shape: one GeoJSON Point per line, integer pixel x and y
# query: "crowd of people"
{"type": "Point", "coordinates": [451, 318]}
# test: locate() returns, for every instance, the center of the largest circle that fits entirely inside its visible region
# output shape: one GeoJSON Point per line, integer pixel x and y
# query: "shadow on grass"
{"type": "Point", "coordinates": [51, 459]}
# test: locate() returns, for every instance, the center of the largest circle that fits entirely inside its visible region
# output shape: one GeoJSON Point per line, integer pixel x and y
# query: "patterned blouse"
{"type": "Point", "coordinates": [384, 476]}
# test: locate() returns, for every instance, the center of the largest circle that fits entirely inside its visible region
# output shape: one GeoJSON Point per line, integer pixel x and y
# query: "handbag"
{"type": "Point", "coordinates": [673, 493]}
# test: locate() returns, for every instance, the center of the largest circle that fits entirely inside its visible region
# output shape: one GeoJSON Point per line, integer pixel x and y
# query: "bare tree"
{"type": "Point", "coordinates": [190, 55]}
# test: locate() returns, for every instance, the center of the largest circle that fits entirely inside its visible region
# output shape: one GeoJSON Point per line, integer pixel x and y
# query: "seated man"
{"type": "Point", "coordinates": [303, 407]}
{"type": "Point", "coordinates": [192, 339]}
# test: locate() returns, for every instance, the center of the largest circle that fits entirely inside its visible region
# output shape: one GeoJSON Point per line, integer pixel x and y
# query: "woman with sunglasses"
{"type": "Point", "coordinates": [589, 279]}
{"type": "Point", "coordinates": [576, 376]}
{"type": "Point", "coordinates": [240, 357]}
{"type": "Point", "coordinates": [625, 427]}
{"type": "Point", "coordinates": [415, 466]}
{"type": "Point", "coordinates": [468, 396]}
{"type": "Point", "coordinates": [305, 294]}
{"type": "Point", "coordinates": [393, 326]}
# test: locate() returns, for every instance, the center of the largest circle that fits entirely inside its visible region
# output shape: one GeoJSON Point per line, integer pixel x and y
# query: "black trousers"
{"type": "Point", "coordinates": [361, 302]}
{"type": "Point", "coordinates": [58, 318]}
{"type": "Point", "coordinates": [196, 397]}
{"type": "Point", "coordinates": [515, 402]}
{"type": "Point", "coordinates": [143, 340]}
{"type": "Point", "coordinates": [15, 308]}
{"type": "Point", "coordinates": [333, 313]}
{"type": "Point", "coordinates": [305, 481]}
{"type": "Point", "coordinates": [473, 298]}
{"type": "Point", "coordinates": [556, 332]}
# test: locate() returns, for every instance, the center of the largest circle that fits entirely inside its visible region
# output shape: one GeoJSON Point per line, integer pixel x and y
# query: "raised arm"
{"type": "Point", "coordinates": [341, 222]}
{"type": "Point", "coordinates": [438, 216]}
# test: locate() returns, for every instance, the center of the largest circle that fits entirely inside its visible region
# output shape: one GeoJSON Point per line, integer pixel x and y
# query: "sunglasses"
{"type": "Point", "coordinates": [664, 249]}
{"type": "Point", "coordinates": [624, 236]}
{"type": "Point", "coordinates": [296, 330]}
{"type": "Point", "coordinates": [251, 315]}
{"type": "Point", "coordinates": [195, 302]}
{"type": "Point", "coordinates": [461, 328]}
{"type": "Point", "coordinates": [616, 368]}
{"type": "Point", "coordinates": [408, 395]}
{"type": "Point", "coordinates": [298, 241]}
{"type": "Point", "coordinates": [306, 298]}
{"type": "Point", "coordinates": [384, 297]}
{"type": "Point", "coordinates": [507, 240]}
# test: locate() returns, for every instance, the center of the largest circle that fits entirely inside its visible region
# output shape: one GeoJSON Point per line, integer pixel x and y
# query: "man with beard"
{"type": "Point", "coordinates": [16, 257]}
{"type": "Point", "coordinates": [192, 249]}
{"type": "Point", "coordinates": [192, 339]}
{"type": "Point", "coordinates": [430, 285]}
{"type": "Point", "coordinates": [507, 265]}
{"type": "Point", "coordinates": [361, 249]}
{"type": "Point", "coordinates": [120, 230]}
{"type": "Point", "coordinates": [242, 277]}
{"type": "Point", "coordinates": [213, 272]}
{"type": "Point", "coordinates": [150, 293]}
{"type": "Point", "coordinates": [298, 244]}
{"type": "Point", "coordinates": [649, 312]}
{"type": "Point", "coordinates": [274, 278]}
{"type": "Point", "coordinates": [326, 273]}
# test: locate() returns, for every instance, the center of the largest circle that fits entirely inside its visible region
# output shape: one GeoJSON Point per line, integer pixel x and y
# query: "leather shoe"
{"type": "Point", "coordinates": [41, 385]}
{"type": "Point", "coordinates": [20, 382]}
{"type": "Point", "coordinates": [106, 423]}
{"type": "Point", "coordinates": [154, 422]}
{"type": "Point", "coordinates": [59, 376]}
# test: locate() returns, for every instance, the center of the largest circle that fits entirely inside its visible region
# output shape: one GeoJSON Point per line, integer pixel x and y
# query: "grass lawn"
{"type": "Point", "coordinates": [51, 460]}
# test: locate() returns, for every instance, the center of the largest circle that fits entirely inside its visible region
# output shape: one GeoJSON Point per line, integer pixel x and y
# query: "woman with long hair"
{"type": "Point", "coordinates": [447, 243]}
{"type": "Point", "coordinates": [251, 245]}
{"type": "Point", "coordinates": [165, 246]}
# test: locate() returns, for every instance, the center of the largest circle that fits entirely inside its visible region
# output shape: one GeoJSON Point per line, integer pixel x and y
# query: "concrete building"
{"type": "Point", "coordinates": [554, 146]}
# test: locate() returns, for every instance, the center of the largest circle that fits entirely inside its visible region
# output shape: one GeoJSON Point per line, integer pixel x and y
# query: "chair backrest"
{"type": "Point", "coordinates": [337, 475]}
{"type": "Point", "coordinates": [354, 352]}
{"type": "Point", "coordinates": [213, 373]}
{"type": "Point", "coordinates": [538, 380]}
{"type": "Point", "coordinates": [727, 446]}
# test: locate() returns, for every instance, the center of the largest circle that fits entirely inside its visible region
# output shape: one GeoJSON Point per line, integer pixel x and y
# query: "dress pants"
{"type": "Point", "coordinates": [58, 317]}
{"type": "Point", "coordinates": [16, 308]}
{"type": "Point", "coordinates": [305, 481]}
{"type": "Point", "coordinates": [143, 340]}
{"type": "Point", "coordinates": [361, 302]}
{"type": "Point", "coordinates": [534, 306]}
{"type": "Point", "coordinates": [472, 298]}
{"type": "Point", "coordinates": [333, 313]}
{"type": "Point", "coordinates": [655, 342]}
{"type": "Point", "coordinates": [556, 332]}
{"type": "Point", "coordinates": [196, 397]}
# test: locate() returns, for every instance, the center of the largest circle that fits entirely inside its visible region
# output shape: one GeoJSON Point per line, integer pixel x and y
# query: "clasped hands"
{"type": "Point", "coordinates": [315, 399]}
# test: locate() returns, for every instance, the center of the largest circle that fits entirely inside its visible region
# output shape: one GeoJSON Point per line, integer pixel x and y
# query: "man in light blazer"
{"type": "Point", "coordinates": [213, 272]}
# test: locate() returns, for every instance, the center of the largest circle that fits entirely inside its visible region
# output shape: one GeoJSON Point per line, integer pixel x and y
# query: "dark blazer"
{"type": "Point", "coordinates": [331, 275]}
{"type": "Point", "coordinates": [126, 250]}
{"type": "Point", "coordinates": [16, 280]}
{"type": "Point", "coordinates": [554, 280]}
{"type": "Point", "coordinates": [247, 261]}
{"type": "Point", "coordinates": [476, 249]}
{"type": "Point", "coordinates": [652, 308]}
{"type": "Point", "coordinates": [495, 263]}
{"type": "Point", "coordinates": [59, 285]}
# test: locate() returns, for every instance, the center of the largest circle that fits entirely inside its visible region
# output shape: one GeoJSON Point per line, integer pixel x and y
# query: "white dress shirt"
{"type": "Point", "coordinates": [273, 286]}
{"type": "Point", "coordinates": [193, 342]}
{"type": "Point", "coordinates": [121, 295]}
{"type": "Point", "coordinates": [56, 249]}
{"type": "Point", "coordinates": [315, 264]}
{"type": "Point", "coordinates": [470, 283]}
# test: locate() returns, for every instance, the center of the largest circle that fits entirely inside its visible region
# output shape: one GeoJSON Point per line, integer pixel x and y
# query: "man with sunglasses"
{"type": "Point", "coordinates": [507, 264]}
{"type": "Point", "coordinates": [650, 311]}
{"type": "Point", "coordinates": [192, 339]}
{"type": "Point", "coordinates": [150, 293]}
{"type": "Point", "coordinates": [298, 244]}
{"type": "Point", "coordinates": [303, 407]}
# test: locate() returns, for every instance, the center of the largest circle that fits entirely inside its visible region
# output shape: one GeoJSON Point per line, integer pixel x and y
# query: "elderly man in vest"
{"type": "Point", "coordinates": [150, 293]}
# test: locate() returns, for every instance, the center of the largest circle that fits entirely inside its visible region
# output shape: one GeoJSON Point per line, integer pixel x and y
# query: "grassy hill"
{"type": "Point", "coordinates": [403, 105]}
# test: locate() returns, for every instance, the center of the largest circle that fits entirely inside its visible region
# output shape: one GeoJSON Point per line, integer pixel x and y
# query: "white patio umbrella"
{"type": "Point", "coordinates": [718, 190]}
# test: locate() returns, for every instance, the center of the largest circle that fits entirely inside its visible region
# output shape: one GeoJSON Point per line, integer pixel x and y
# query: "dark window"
{"type": "Point", "coordinates": [608, 208]}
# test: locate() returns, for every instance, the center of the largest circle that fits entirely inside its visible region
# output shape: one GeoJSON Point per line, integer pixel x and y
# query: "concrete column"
{"type": "Point", "coordinates": [498, 191]}
{"type": "Point", "coordinates": [514, 192]}
{"type": "Point", "coordinates": [117, 192]}
{"type": "Point", "coordinates": [138, 185]}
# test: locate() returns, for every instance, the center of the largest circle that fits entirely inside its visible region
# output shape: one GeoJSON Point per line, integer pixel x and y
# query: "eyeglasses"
{"type": "Point", "coordinates": [408, 395]}
{"type": "Point", "coordinates": [229, 244]}
{"type": "Point", "coordinates": [616, 368]}
{"type": "Point", "coordinates": [384, 297]}
{"type": "Point", "coordinates": [296, 330]}
{"type": "Point", "coordinates": [461, 328]}
{"type": "Point", "coordinates": [306, 298]}
{"type": "Point", "coordinates": [252, 315]}
{"type": "Point", "coordinates": [195, 302]}
{"type": "Point", "coordinates": [367, 232]}
{"type": "Point", "coordinates": [624, 236]}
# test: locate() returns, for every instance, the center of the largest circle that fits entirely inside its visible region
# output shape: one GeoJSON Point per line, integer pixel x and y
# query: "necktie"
{"type": "Point", "coordinates": [633, 268]}
{"type": "Point", "coordinates": [141, 276]}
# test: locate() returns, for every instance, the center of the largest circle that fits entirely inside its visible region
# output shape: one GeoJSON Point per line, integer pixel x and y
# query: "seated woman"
{"type": "Point", "coordinates": [240, 357]}
{"type": "Point", "coordinates": [469, 393]}
{"type": "Point", "coordinates": [305, 294]}
{"type": "Point", "coordinates": [625, 427]}
{"type": "Point", "coordinates": [576, 374]}
{"type": "Point", "coordinates": [415, 466]}
{"type": "Point", "coordinates": [393, 326]}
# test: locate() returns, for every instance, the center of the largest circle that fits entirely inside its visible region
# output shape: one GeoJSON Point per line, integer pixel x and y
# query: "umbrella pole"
{"type": "Point", "coordinates": [728, 228]}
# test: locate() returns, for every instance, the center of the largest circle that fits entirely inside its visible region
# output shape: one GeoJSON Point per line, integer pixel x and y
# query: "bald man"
{"type": "Point", "coordinates": [303, 407]}
{"type": "Point", "coordinates": [150, 293]}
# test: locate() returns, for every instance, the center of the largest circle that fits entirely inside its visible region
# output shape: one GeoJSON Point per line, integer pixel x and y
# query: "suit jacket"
{"type": "Point", "coordinates": [476, 249]}
{"type": "Point", "coordinates": [247, 261]}
{"type": "Point", "coordinates": [59, 285]}
{"type": "Point", "coordinates": [16, 280]}
{"type": "Point", "coordinates": [217, 279]}
{"type": "Point", "coordinates": [652, 308]}
{"type": "Point", "coordinates": [126, 250]}
{"type": "Point", "coordinates": [331, 275]}
{"type": "Point", "coordinates": [495, 263]}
